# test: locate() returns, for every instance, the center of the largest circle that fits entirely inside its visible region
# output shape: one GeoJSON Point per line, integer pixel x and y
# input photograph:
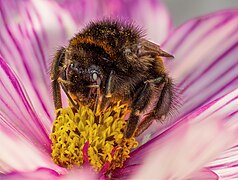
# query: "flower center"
{"type": "Point", "coordinates": [84, 137]}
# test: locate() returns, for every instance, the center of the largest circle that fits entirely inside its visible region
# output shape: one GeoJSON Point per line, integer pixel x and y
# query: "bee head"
{"type": "Point", "coordinates": [84, 77]}
{"type": "Point", "coordinates": [85, 81]}
{"type": "Point", "coordinates": [83, 73]}
{"type": "Point", "coordinates": [86, 67]}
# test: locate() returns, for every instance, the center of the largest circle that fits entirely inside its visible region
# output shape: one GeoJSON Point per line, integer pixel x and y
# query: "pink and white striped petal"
{"type": "Point", "coordinates": [31, 31]}
{"type": "Point", "coordinates": [38, 174]}
{"type": "Point", "coordinates": [18, 154]}
{"type": "Point", "coordinates": [17, 113]}
{"type": "Point", "coordinates": [46, 173]}
{"type": "Point", "coordinates": [129, 171]}
{"type": "Point", "coordinates": [204, 173]}
{"type": "Point", "coordinates": [206, 58]}
{"type": "Point", "coordinates": [226, 165]}
{"type": "Point", "coordinates": [192, 142]}
{"type": "Point", "coordinates": [151, 15]}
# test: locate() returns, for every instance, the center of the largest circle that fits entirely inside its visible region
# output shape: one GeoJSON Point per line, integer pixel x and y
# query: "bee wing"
{"type": "Point", "coordinates": [150, 48]}
{"type": "Point", "coordinates": [144, 53]}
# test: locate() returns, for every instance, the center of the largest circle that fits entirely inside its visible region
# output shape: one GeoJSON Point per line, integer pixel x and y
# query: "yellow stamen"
{"type": "Point", "coordinates": [103, 131]}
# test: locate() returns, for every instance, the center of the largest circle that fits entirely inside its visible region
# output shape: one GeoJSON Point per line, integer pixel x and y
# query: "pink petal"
{"type": "Point", "coordinates": [206, 64]}
{"type": "Point", "coordinates": [151, 15]}
{"type": "Point", "coordinates": [41, 173]}
{"type": "Point", "coordinates": [31, 32]}
{"type": "Point", "coordinates": [17, 113]}
{"type": "Point", "coordinates": [18, 154]}
{"type": "Point", "coordinates": [226, 165]}
{"type": "Point", "coordinates": [80, 174]}
{"type": "Point", "coordinates": [190, 143]}
{"type": "Point", "coordinates": [203, 174]}
{"type": "Point", "coordinates": [45, 173]}
{"type": "Point", "coordinates": [125, 172]}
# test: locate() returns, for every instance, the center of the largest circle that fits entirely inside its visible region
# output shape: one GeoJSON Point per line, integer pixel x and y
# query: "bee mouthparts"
{"type": "Point", "coordinates": [93, 86]}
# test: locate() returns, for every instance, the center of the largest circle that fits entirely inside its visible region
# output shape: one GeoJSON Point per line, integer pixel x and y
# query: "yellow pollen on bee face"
{"type": "Point", "coordinates": [102, 131]}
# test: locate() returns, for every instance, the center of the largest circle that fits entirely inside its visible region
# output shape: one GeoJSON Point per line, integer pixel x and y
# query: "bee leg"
{"type": "Point", "coordinates": [109, 85]}
{"type": "Point", "coordinates": [97, 99]}
{"type": "Point", "coordinates": [141, 100]}
{"type": "Point", "coordinates": [131, 124]}
{"type": "Point", "coordinates": [164, 103]}
{"type": "Point", "coordinates": [56, 68]}
{"type": "Point", "coordinates": [144, 125]}
{"type": "Point", "coordinates": [104, 103]}
{"type": "Point", "coordinates": [69, 97]}
{"type": "Point", "coordinates": [108, 92]}
{"type": "Point", "coordinates": [162, 107]}
{"type": "Point", "coordinates": [56, 94]}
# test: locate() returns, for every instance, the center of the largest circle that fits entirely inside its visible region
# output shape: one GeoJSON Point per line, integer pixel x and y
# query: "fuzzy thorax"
{"type": "Point", "coordinates": [97, 139]}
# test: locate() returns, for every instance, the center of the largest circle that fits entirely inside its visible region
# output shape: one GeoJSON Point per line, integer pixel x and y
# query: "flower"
{"type": "Point", "coordinates": [203, 134]}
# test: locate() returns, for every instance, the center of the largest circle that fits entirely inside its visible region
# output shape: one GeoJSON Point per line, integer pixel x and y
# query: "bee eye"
{"type": "Point", "coordinates": [127, 52]}
{"type": "Point", "coordinates": [80, 70]}
{"type": "Point", "coordinates": [94, 76]}
{"type": "Point", "coordinates": [73, 66]}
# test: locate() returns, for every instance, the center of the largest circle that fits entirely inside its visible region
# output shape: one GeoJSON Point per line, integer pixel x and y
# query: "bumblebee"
{"type": "Point", "coordinates": [111, 61]}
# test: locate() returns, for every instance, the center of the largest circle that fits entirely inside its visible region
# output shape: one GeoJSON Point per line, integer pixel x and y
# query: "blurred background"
{"type": "Point", "coordinates": [182, 10]}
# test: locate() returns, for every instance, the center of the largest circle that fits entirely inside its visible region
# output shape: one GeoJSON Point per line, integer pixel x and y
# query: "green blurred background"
{"type": "Point", "coordinates": [182, 10]}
